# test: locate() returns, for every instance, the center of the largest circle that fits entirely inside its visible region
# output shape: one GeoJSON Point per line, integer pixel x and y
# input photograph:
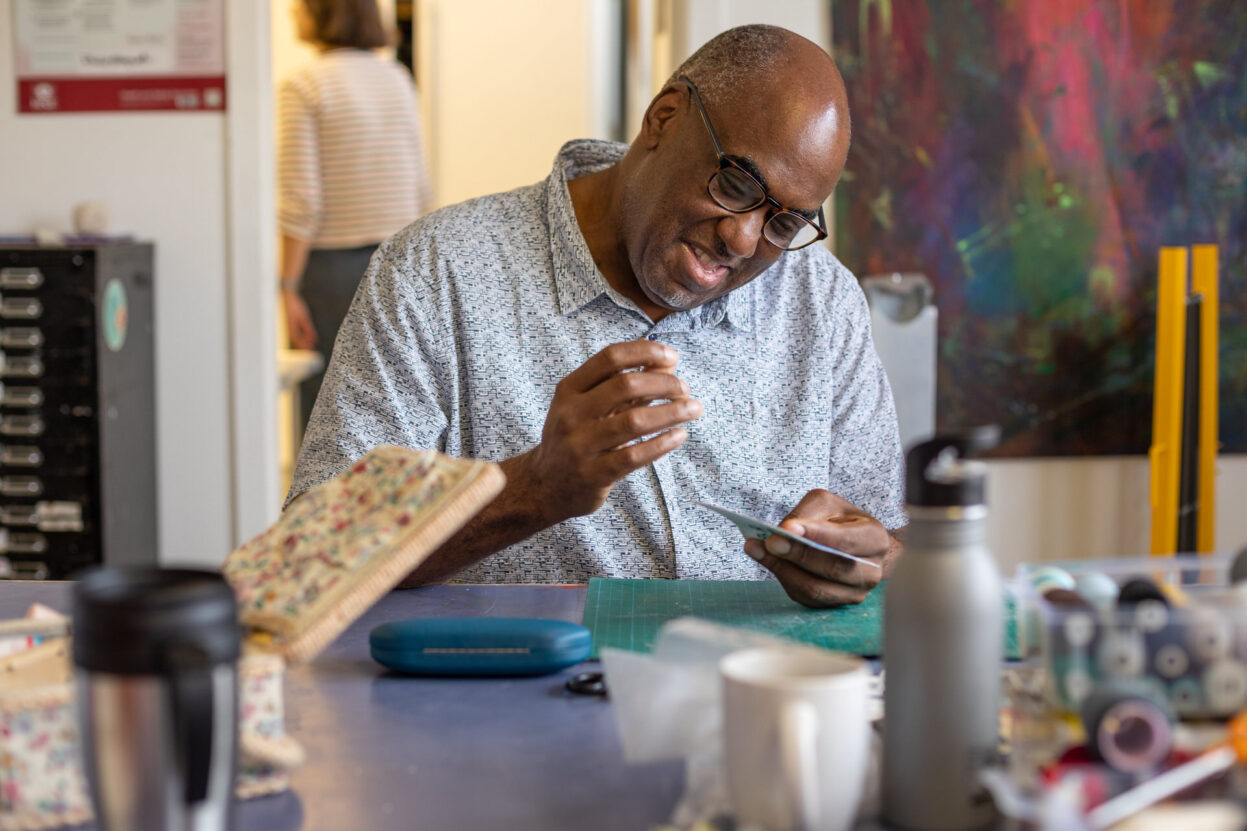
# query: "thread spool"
{"type": "Point", "coordinates": [1171, 661]}
{"type": "Point", "coordinates": [1121, 654]}
{"type": "Point", "coordinates": [1071, 680]}
{"type": "Point", "coordinates": [1225, 687]}
{"type": "Point", "coordinates": [1071, 635]}
{"type": "Point", "coordinates": [1076, 683]}
{"type": "Point", "coordinates": [1138, 589]}
{"type": "Point", "coordinates": [1079, 629]}
{"type": "Point", "coordinates": [1208, 634]}
{"type": "Point", "coordinates": [1149, 615]}
{"type": "Point", "coordinates": [1187, 697]}
{"type": "Point", "coordinates": [1129, 727]}
{"type": "Point", "coordinates": [1168, 651]}
{"type": "Point", "coordinates": [1071, 616]}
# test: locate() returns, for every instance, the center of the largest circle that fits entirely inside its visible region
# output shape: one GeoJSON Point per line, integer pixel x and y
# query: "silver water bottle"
{"type": "Point", "coordinates": [942, 645]}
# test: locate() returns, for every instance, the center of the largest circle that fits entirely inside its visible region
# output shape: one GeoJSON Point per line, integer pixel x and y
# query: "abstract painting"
{"type": "Point", "coordinates": [1031, 157]}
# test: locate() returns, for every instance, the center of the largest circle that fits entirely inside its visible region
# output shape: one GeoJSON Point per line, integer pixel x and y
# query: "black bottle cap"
{"type": "Point", "coordinates": [936, 474]}
{"type": "Point", "coordinates": [144, 621]}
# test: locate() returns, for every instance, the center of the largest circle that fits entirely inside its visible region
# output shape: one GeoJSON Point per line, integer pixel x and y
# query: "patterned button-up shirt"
{"type": "Point", "coordinates": [468, 318]}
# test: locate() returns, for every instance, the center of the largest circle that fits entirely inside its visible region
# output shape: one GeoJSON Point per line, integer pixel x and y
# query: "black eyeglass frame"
{"type": "Point", "coordinates": [820, 227]}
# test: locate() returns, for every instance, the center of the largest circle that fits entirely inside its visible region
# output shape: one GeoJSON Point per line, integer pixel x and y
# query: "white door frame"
{"type": "Point", "coordinates": [255, 499]}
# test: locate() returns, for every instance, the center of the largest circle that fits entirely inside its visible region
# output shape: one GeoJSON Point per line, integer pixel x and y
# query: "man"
{"type": "Point", "coordinates": [634, 335]}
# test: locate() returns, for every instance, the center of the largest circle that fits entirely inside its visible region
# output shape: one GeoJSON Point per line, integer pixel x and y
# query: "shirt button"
{"type": "Point", "coordinates": [652, 337]}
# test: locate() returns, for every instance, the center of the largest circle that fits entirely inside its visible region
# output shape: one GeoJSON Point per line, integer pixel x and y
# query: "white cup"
{"type": "Point", "coordinates": [796, 737]}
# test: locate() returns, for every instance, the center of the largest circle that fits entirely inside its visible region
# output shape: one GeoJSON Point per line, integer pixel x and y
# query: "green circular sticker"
{"type": "Point", "coordinates": [115, 315]}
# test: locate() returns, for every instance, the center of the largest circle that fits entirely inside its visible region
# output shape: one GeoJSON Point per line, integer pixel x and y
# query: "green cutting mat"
{"type": "Point", "coordinates": [627, 614]}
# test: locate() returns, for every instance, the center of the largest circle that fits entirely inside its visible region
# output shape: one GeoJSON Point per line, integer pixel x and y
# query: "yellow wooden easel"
{"type": "Point", "coordinates": [1171, 392]}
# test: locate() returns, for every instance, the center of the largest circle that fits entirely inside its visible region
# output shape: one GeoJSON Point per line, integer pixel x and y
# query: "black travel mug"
{"type": "Point", "coordinates": [155, 654]}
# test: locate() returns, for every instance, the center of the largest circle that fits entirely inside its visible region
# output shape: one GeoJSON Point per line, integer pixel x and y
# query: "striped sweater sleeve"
{"type": "Point", "coordinates": [299, 195]}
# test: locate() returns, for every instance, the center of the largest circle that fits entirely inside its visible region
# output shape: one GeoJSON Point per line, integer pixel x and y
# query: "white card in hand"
{"type": "Point", "coordinates": [757, 529]}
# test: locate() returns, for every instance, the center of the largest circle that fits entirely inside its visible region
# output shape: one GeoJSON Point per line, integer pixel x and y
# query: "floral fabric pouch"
{"type": "Point", "coordinates": [343, 544]}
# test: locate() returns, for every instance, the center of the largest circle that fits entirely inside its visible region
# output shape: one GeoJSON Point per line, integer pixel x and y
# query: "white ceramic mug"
{"type": "Point", "coordinates": [796, 737]}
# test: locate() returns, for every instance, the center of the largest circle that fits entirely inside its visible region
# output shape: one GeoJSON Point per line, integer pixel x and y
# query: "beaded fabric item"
{"type": "Point", "coordinates": [40, 765]}
{"type": "Point", "coordinates": [266, 753]}
{"type": "Point", "coordinates": [42, 785]}
{"type": "Point", "coordinates": [345, 543]}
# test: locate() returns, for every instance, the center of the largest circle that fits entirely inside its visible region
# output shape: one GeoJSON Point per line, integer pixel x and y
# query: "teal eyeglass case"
{"type": "Point", "coordinates": [479, 645]}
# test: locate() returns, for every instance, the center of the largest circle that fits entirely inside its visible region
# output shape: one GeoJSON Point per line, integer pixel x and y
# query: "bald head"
{"type": "Point", "coordinates": [760, 99]}
{"type": "Point", "coordinates": [756, 62]}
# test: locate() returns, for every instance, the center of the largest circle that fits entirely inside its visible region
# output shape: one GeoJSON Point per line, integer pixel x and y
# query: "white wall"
{"type": "Point", "coordinates": [167, 178]}
{"type": "Point", "coordinates": [1092, 508]}
{"type": "Point", "coordinates": [504, 84]}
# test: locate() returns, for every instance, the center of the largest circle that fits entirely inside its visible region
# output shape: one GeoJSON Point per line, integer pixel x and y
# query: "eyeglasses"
{"type": "Point", "coordinates": [733, 188]}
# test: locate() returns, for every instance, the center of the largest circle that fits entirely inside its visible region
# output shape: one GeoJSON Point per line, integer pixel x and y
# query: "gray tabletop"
{"type": "Point", "coordinates": [392, 752]}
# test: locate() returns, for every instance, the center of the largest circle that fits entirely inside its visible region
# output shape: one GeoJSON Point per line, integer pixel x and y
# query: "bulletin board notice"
{"type": "Point", "coordinates": [119, 55]}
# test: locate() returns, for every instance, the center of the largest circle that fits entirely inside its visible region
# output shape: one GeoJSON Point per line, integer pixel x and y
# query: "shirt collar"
{"type": "Point", "coordinates": [577, 278]}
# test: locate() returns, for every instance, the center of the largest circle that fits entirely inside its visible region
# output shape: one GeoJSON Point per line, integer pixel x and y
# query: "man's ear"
{"type": "Point", "coordinates": [660, 115]}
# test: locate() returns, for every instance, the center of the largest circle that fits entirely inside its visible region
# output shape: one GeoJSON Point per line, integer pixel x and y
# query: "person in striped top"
{"type": "Point", "coordinates": [351, 167]}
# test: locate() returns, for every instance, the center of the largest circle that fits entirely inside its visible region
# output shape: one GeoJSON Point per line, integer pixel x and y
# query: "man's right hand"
{"type": "Point", "coordinates": [591, 440]}
{"type": "Point", "coordinates": [600, 412]}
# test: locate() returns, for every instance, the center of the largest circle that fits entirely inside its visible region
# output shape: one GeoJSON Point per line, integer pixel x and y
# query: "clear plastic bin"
{"type": "Point", "coordinates": [1191, 648]}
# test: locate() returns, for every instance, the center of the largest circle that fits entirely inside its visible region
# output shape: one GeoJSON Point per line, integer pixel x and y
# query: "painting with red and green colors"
{"type": "Point", "coordinates": [1031, 157]}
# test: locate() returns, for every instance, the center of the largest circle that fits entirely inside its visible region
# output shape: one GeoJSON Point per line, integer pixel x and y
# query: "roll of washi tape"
{"type": "Point", "coordinates": [1129, 727]}
{"type": "Point", "coordinates": [1097, 588]}
{"type": "Point", "coordinates": [1050, 577]}
{"type": "Point", "coordinates": [1121, 654]}
{"type": "Point", "coordinates": [1225, 687]}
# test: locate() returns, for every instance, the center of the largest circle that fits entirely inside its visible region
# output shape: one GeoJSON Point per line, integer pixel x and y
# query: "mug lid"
{"type": "Point", "coordinates": [153, 620]}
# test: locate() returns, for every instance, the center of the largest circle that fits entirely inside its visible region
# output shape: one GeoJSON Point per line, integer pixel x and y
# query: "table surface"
{"type": "Point", "coordinates": [392, 752]}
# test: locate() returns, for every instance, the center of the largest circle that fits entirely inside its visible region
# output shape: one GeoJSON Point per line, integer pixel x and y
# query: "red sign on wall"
{"type": "Point", "coordinates": [53, 95]}
{"type": "Point", "coordinates": [117, 55]}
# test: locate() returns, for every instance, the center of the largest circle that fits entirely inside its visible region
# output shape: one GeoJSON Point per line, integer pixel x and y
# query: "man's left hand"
{"type": "Point", "coordinates": [818, 579]}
